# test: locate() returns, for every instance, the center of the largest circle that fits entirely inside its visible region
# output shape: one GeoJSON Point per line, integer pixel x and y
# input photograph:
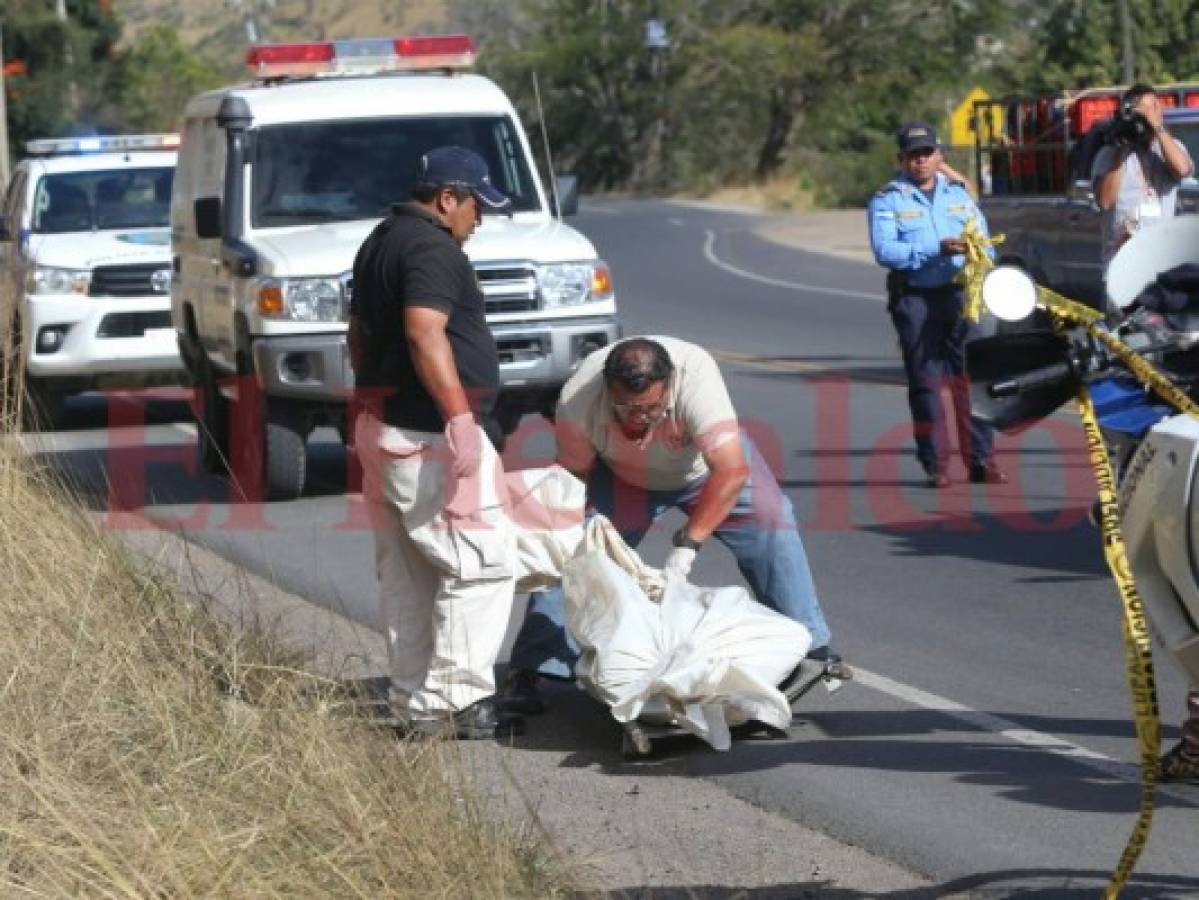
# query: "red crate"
{"type": "Point", "coordinates": [1086, 111]}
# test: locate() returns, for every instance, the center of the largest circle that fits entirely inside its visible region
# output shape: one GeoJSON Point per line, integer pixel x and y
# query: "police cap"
{"type": "Point", "coordinates": [917, 136]}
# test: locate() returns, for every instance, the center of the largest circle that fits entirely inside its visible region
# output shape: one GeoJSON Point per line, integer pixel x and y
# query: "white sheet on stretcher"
{"type": "Point", "coordinates": [661, 649]}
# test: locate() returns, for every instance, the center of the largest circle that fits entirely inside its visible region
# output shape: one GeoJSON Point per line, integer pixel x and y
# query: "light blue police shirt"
{"type": "Point", "coordinates": [906, 229]}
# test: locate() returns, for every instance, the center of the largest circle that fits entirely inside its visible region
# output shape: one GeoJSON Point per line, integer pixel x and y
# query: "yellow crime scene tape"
{"type": "Point", "coordinates": [1137, 647]}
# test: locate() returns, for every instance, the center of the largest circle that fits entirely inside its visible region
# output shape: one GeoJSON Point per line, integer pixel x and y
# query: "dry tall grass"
{"type": "Point", "coordinates": [146, 750]}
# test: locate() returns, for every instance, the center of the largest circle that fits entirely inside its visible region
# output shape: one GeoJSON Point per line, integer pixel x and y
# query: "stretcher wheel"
{"type": "Point", "coordinates": [635, 743]}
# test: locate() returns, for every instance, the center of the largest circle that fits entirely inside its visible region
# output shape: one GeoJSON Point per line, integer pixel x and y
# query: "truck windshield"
{"type": "Point", "coordinates": [103, 200]}
{"type": "Point", "coordinates": [337, 171]}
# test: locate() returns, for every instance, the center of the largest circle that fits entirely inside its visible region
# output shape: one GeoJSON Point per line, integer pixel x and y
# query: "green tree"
{"type": "Point", "coordinates": [66, 63]}
{"type": "Point", "coordinates": [752, 88]}
{"type": "Point", "coordinates": [155, 78]}
{"type": "Point", "coordinates": [1079, 44]}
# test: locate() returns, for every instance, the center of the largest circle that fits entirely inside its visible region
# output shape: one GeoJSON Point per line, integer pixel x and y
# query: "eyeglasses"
{"type": "Point", "coordinates": [641, 410]}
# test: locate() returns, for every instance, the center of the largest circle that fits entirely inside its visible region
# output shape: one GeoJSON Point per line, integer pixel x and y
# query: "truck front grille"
{"type": "Point", "coordinates": [508, 287]}
{"type": "Point", "coordinates": [520, 349]}
{"type": "Point", "coordinates": [142, 280]}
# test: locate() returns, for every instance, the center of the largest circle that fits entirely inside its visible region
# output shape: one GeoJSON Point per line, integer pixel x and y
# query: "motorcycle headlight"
{"type": "Point", "coordinates": [53, 280]}
{"type": "Point", "coordinates": [1009, 293]}
{"type": "Point", "coordinates": [569, 284]}
{"type": "Point", "coordinates": [302, 299]}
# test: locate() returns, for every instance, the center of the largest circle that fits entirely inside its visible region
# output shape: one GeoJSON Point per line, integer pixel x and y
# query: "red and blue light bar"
{"type": "Point", "coordinates": [105, 144]}
{"type": "Point", "coordinates": [363, 55]}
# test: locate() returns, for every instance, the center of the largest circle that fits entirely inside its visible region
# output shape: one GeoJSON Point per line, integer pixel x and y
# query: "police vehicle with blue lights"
{"type": "Point", "coordinates": [85, 271]}
{"type": "Point", "coordinates": [281, 180]}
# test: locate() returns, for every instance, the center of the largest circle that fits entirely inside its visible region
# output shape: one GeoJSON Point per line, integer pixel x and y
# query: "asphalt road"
{"type": "Point", "coordinates": [987, 744]}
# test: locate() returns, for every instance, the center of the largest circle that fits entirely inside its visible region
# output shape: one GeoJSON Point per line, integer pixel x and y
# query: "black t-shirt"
{"type": "Point", "coordinates": [411, 259]}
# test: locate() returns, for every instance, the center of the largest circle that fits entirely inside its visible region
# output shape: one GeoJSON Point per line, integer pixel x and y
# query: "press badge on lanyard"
{"type": "Point", "coordinates": [1150, 207]}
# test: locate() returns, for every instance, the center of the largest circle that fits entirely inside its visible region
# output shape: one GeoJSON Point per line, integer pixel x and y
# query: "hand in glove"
{"type": "Point", "coordinates": [679, 562]}
{"type": "Point", "coordinates": [464, 440]}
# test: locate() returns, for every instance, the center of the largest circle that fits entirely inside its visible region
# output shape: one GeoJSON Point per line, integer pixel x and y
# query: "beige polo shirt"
{"type": "Point", "coordinates": [699, 419]}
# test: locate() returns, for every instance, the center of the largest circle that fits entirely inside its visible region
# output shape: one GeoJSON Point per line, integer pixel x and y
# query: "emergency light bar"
{"type": "Point", "coordinates": [363, 55]}
{"type": "Point", "coordinates": [110, 144]}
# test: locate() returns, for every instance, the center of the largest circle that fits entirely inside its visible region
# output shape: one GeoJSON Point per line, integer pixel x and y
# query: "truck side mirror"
{"type": "Point", "coordinates": [567, 187]}
{"type": "Point", "coordinates": [208, 217]}
{"type": "Point", "coordinates": [5, 231]}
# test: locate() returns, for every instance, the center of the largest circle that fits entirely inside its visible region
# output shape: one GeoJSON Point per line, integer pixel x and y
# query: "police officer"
{"type": "Point", "coordinates": [916, 225]}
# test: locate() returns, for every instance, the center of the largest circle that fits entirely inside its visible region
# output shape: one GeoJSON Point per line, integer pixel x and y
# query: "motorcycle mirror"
{"type": "Point", "coordinates": [1009, 293]}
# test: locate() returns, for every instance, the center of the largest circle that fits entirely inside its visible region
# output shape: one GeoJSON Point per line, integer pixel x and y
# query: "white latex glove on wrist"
{"type": "Point", "coordinates": [679, 562]}
{"type": "Point", "coordinates": [464, 440]}
{"type": "Point", "coordinates": [464, 484]}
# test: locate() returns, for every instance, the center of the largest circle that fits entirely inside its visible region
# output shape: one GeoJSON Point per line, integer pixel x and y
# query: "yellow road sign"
{"type": "Point", "coordinates": [961, 120]}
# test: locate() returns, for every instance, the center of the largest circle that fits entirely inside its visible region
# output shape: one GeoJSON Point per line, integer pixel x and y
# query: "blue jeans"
{"type": "Point", "coordinates": [761, 532]}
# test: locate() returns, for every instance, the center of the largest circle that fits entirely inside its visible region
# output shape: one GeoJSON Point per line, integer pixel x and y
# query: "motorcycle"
{"type": "Point", "coordinates": [1032, 367]}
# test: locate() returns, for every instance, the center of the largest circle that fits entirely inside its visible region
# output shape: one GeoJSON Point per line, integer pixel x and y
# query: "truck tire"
{"type": "Point", "coordinates": [211, 411]}
{"type": "Point", "coordinates": [43, 408]}
{"type": "Point", "coordinates": [10, 361]}
{"type": "Point", "coordinates": [286, 462]}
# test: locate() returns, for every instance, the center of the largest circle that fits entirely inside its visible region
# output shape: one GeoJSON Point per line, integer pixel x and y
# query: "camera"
{"type": "Point", "coordinates": [1130, 129]}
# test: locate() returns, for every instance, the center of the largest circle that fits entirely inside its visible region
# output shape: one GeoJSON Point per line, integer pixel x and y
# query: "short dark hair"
{"type": "Point", "coordinates": [426, 191]}
{"type": "Point", "coordinates": [637, 363]}
{"type": "Point", "coordinates": [1131, 96]}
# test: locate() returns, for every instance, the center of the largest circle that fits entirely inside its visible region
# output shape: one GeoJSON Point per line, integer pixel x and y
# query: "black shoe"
{"type": "Point", "coordinates": [479, 721]}
{"type": "Point", "coordinates": [936, 478]}
{"type": "Point", "coordinates": [987, 473]}
{"type": "Point", "coordinates": [1179, 766]}
{"type": "Point", "coordinates": [833, 665]}
{"type": "Point", "coordinates": [520, 694]}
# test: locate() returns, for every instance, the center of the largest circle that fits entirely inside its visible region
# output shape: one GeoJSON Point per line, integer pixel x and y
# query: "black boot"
{"type": "Point", "coordinates": [520, 694]}
{"type": "Point", "coordinates": [834, 666]}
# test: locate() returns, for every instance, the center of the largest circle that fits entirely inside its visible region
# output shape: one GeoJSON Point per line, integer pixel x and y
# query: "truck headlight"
{"type": "Point", "coordinates": [52, 280]}
{"type": "Point", "coordinates": [302, 299]}
{"type": "Point", "coordinates": [568, 284]}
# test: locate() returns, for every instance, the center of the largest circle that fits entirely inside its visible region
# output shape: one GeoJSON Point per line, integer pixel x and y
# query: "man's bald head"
{"type": "Point", "coordinates": [637, 364]}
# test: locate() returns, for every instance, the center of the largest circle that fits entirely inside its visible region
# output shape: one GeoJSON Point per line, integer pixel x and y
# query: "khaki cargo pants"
{"type": "Point", "coordinates": [446, 582]}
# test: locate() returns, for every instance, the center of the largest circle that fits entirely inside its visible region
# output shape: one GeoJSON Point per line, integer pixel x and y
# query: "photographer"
{"type": "Point", "coordinates": [1136, 175]}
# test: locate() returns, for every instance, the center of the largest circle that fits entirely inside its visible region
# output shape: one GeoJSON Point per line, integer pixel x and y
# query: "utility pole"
{"type": "Point", "coordinates": [1126, 43]}
{"type": "Point", "coordinates": [657, 42]}
{"type": "Point", "coordinates": [3, 118]}
{"type": "Point", "coordinates": [60, 10]}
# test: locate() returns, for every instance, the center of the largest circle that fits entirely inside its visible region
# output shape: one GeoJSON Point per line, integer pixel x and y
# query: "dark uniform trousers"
{"type": "Point", "coordinates": [932, 336]}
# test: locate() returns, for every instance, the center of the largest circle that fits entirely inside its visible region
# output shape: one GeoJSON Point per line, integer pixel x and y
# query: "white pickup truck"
{"type": "Point", "coordinates": [85, 269]}
{"type": "Point", "coordinates": [281, 180]}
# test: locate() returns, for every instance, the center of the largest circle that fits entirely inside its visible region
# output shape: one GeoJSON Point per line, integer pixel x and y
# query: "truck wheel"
{"type": "Point", "coordinates": [286, 462]}
{"type": "Point", "coordinates": [10, 361]}
{"type": "Point", "coordinates": [43, 408]}
{"type": "Point", "coordinates": [211, 412]}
